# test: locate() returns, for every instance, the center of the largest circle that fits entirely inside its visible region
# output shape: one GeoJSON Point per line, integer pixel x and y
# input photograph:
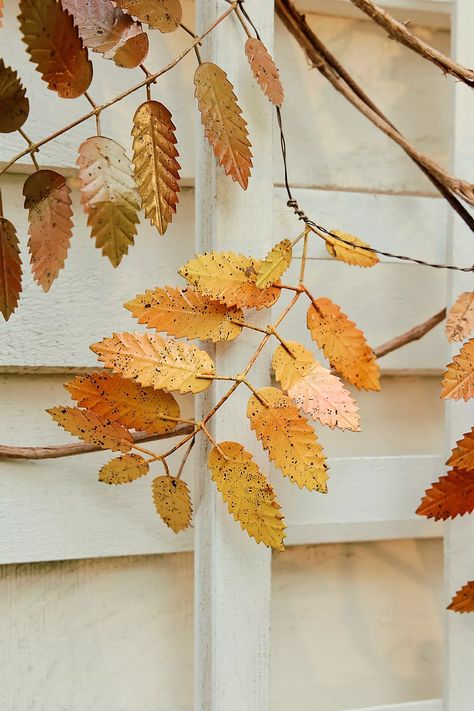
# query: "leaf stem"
{"type": "Point", "coordinates": [185, 458]}
{"type": "Point", "coordinates": [30, 143]}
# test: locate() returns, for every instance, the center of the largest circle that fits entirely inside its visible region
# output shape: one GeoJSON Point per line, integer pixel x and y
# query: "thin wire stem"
{"type": "Point", "coordinates": [185, 458]}
{"type": "Point", "coordinates": [97, 115]}
{"type": "Point", "coordinates": [30, 143]}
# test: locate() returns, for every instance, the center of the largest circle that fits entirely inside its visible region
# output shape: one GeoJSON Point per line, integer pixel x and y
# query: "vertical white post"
{"type": "Point", "coordinates": [233, 574]}
{"type": "Point", "coordinates": [459, 542]}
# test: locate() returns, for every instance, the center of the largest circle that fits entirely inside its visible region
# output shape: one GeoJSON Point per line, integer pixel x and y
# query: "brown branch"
{"type": "Point", "coordinates": [399, 32]}
{"type": "Point", "coordinates": [414, 334]}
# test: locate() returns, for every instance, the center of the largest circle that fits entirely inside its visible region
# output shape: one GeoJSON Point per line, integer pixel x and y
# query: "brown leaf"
{"type": "Point", "coordinates": [91, 429]}
{"type": "Point", "coordinates": [55, 47]}
{"type": "Point", "coordinates": [350, 253]}
{"type": "Point", "coordinates": [48, 199]}
{"type": "Point", "coordinates": [274, 265]}
{"type": "Point", "coordinates": [458, 380]}
{"type": "Point", "coordinates": [264, 70]}
{"type": "Point", "coordinates": [450, 496]}
{"type": "Point", "coordinates": [111, 397]}
{"type": "Point", "coordinates": [1, 13]}
{"type": "Point", "coordinates": [463, 601]}
{"type": "Point", "coordinates": [460, 320]}
{"type": "Point", "coordinates": [249, 496]}
{"type": "Point", "coordinates": [10, 268]}
{"type": "Point", "coordinates": [222, 119]}
{"type": "Point", "coordinates": [163, 15]}
{"type": "Point", "coordinates": [185, 313]}
{"type": "Point", "coordinates": [343, 345]}
{"type": "Point", "coordinates": [173, 502]}
{"type": "Point", "coordinates": [123, 470]}
{"type": "Point", "coordinates": [156, 167]}
{"type": "Point", "coordinates": [462, 456]}
{"type": "Point", "coordinates": [14, 105]}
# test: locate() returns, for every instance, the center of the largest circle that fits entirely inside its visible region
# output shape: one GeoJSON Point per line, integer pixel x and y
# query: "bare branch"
{"type": "Point", "coordinates": [414, 334]}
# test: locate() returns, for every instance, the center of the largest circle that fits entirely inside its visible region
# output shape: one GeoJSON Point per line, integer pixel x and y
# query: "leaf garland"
{"type": "Point", "coordinates": [264, 70]}
{"type": "Point", "coordinates": [14, 104]}
{"type": "Point", "coordinates": [463, 601]}
{"type": "Point", "coordinates": [163, 15]}
{"type": "Point", "coordinates": [450, 496]}
{"type": "Point", "coordinates": [172, 500]}
{"type": "Point", "coordinates": [93, 430]}
{"type": "Point", "coordinates": [124, 470]}
{"type": "Point", "coordinates": [10, 268]}
{"type": "Point", "coordinates": [458, 380]}
{"type": "Point", "coordinates": [274, 265]}
{"type": "Point", "coordinates": [462, 456]}
{"type": "Point", "coordinates": [350, 253]}
{"type": "Point", "coordinates": [460, 321]}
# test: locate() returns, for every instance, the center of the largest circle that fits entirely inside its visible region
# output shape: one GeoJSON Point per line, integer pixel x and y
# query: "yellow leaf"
{"type": "Point", "coordinates": [163, 15]}
{"type": "Point", "coordinates": [458, 380]}
{"type": "Point", "coordinates": [290, 441]}
{"type": "Point", "coordinates": [109, 196]}
{"type": "Point", "coordinates": [249, 496]}
{"type": "Point", "coordinates": [152, 360]}
{"type": "Point", "coordinates": [461, 317]}
{"type": "Point", "coordinates": [14, 106]}
{"type": "Point", "coordinates": [222, 119]}
{"type": "Point", "coordinates": [124, 470]}
{"type": "Point", "coordinates": [462, 456]}
{"type": "Point", "coordinates": [10, 268]}
{"type": "Point", "coordinates": [173, 502]}
{"type": "Point", "coordinates": [111, 397]}
{"type": "Point", "coordinates": [274, 265]}
{"type": "Point", "coordinates": [91, 429]}
{"type": "Point", "coordinates": [185, 313]}
{"type": "Point", "coordinates": [343, 345]}
{"type": "Point", "coordinates": [264, 70]}
{"type": "Point", "coordinates": [350, 253]}
{"type": "Point", "coordinates": [229, 278]}
{"type": "Point", "coordinates": [291, 368]}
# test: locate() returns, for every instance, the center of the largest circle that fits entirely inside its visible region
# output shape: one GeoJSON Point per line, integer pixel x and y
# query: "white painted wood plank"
{"type": "Point", "coordinates": [430, 705]}
{"type": "Point", "coordinates": [427, 13]}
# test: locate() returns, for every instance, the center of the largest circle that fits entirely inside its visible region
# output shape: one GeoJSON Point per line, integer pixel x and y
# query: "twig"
{"type": "Point", "coordinates": [414, 334]}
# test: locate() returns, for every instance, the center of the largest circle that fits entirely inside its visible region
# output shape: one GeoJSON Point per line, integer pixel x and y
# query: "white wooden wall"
{"type": "Point", "coordinates": [355, 612]}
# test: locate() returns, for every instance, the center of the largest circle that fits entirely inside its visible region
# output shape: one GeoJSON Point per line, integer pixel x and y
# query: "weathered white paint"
{"type": "Point", "coordinates": [428, 13]}
{"type": "Point", "coordinates": [431, 705]}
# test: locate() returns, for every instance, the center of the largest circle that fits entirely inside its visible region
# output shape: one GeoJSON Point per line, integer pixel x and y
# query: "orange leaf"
{"type": "Point", "coordinates": [91, 429]}
{"type": "Point", "coordinates": [264, 70]}
{"type": "Point", "coordinates": [123, 470]}
{"type": "Point", "coordinates": [1, 13]}
{"type": "Point", "coordinates": [462, 456]}
{"type": "Point", "coordinates": [343, 344]}
{"type": "Point", "coordinates": [450, 496]}
{"type": "Point", "coordinates": [461, 317]}
{"type": "Point", "coordinates": [463, 601]}
{"type": "Point", "coordinates": [172, 502]}
{"type": "Point", "coordinates": [458, 380]}
{"type": "Point", "coordinates": [14, 105]}
{"type": "Point", "coordinates": [349, 249]}
{"type": "Point", "coordinates": [163, 15]}
{"type": "Point", "coordinates": [10, 268]}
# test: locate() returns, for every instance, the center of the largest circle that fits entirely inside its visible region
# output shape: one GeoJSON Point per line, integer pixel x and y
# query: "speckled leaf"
{"type": "Point", "coordinates": [458, 380]}
{"type": "Point", "coordinates": [93, 430]}
{"type": "Point", "coordinates": [462, 456]}
{"type": "Point", "coordinates": [463, 601]}
{"type": "Point", "coordinates": [123, 470]}
{"type": "Point", "coordinates": [172, 502]}
{"type": "Point", "coordinates": [264, 70]}
{"type": "Point", "coordinates": [274, 265]}
{"type": "Point", "coordinates": [450, 496]}
{"type": "Point", "coordinates": [10, 268]}
{"type": "Point", "coordinates": [460, 320]}
{"type": "Point", "coordinates": [163, 15]}
{"type": "Point", "coordinates": [14, 105]}
{"type": "Point", "coordinates": [350, 253]}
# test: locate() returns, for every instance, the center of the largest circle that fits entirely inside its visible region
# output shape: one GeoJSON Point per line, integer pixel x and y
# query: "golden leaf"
{"type": "Point", "coordinates": [109, 196]}
{"type": "Point", "coordinates": [91, 429]}
{"type": "Point", "coordinates": [450, 496]}
{"type": "Point", "coordinates": [461, 317]}
{"type": "Point", "coordinates": [343, 345]}
{"type": "Point", "coordinates": [48, 199]}
{"type": "Point", "coordinates": [463, 601]}
{"type": "Point", "coordinates": [163, 15]}
{"type": "Point", "coordinates": [264, 70]}
{"type": "Point", "coordinates": [123, 470]}
{"type": "Point", "coordinates": [458, 380]}
{"type": "Point", "coordinates": [156, 167]}
{"type": "Point", "coordinates": [173, 502]}
{"type": "Point", "coordinates": [290, 441]}
{"type": "Point", "coordinates": [291, 368]}
{"type": "Point", "coordinates": [185, 313]}
{"type": "Point", "coordinates": [249, 496]}
{"type": "Point", "coordinates": [462, 456]}
{"type": "Point", "coordinates": [350, 253]}
{"type": "Point", "coordinates": [14, 105]}
{"type": "Point", "coordinates": [55, 47]}
{"type": "Point", "coordinates": [221, 116]}
{"type": "Point", "coordinates": [108, 30]}
{"type": "Point", "coordinates": [152, 360]}
{"type": "Point", "coordinates": [111, 397]}
{"type": "Point", "coordinates": [10, 268]}
{"type": "Point", "coordinates": [229, 278]}
{"type": "Point", "coordinates": [274, 265]}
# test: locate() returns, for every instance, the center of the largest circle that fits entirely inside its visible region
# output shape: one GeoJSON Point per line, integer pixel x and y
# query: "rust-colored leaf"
{"type": "Point", "coordinates": [249, 496]}
{"type": "Point", "coordinates": [229, 278]}
{"type": "Point", "coordinates": [463, 601]}
{"type": "Point", "coordinates": [458, 380]}
{"type": "Point", "coordinates": [290, 441]}
{"type": "Point", "coordinates": [186, 313]}
{"type": "Point", "coordinates": [163, 15]}
{"type": "Point", "coordinates": [350, 253]}
{"type": "Point", "coordinates": [221, 116]}
{"type": "Point", "coordinates": [109, 196]}
{"type": "Point", "coordinates": [92, 429]}
{"type": "Point", "coordinates": [274, 265]}
{"type": "Point", "coordinates": [460, 320]}
{"type": "Point", "coordinates": [123, 470]}
{"type": "Point", "coordinates": [156, 167]}
{"type": "Point", "coordinates": [111, 397]}
{"type": "Point", "coordinates": [55, 47]}
{"type": "Point", "coordinates": [450, 496]}
{"type": "Point", "coordinates": [264, 70]}
{"type": "Point", "coordinates": [10, 269]}
{"type": "Point", "coordinates": [462, 456]}
{"type": "Point", "coordinates": [48, 200]}
{"type": "Point", "coordinates": [343, 344]}
{"type": "Point", "coordinates": [14, 105]}
{"type": "Point", "coordinates": [1, 13]}
{"type": "Point", "coordinates": [173, 502]}
{"type": "Point", "coordinates": [152, 360]}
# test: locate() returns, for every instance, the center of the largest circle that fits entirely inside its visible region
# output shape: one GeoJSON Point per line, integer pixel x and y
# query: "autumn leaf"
{"type": "Point", "coordinates": [350, 253]}
{"type": "Point", "coordinates": [152, 360]}
{"type": "Point", "coordinates": [290, 441]}
{"type": "Point", "coordinates": [123, 470]}
{"type": "Point", "coordinates": [1, 13]}
{"type": "Point", "coordinates": [224, 126]}
{"type": "Point", "coordinates": [55, 47]}
{"type": "Point", "coordinates": [458, 380]}
{"type": "Point", "coordinates": [264, 70]}
{"type": "Point", "coordinates": [462, 456]}
{"type": "Point", "coordinates": [274, 265]}
{"type": "Point", "coordinates": [249, 496]}
{"type": "Point", "coordinates": [48, 200]}
{"type": "Point", "coordinates": [111, 397]}
{"type": "Point", "coordinates": [460, 320]}
{"type": "Point", "coordinates": [186, 313]}
{"type": "Point", "coordinates": [163, 15]}
{"type": "Point", "coordinates": [173, 502]}
{"type": "Point", "coordinates": [229, 278]}
{"type": "Point", "coordinates": [156, 167]}
{"type": "Point", "coordinates": [343, 344]}
{"type": "Point", "coordinates": [14, 105]}
{"type": "Point", "coordinates": [109, 196]}
{"type": "Point", "coordinates": [10, 268]}
{"type": "Point", "coordinates": [463, 601]}
{"type": "Point", "coordinates": [450, 496]}
{"type": "Point", "coordinates": [91, 429]}
{"type": "Point", "coordinates": [291, 367]}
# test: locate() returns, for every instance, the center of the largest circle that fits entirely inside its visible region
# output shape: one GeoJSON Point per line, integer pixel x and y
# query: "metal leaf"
{"type": "Point", "coordinates": [460, 320]}
{"type": "Point", "coordinates": [172, 502]}
{"type": "Point", "coordinates": [450, 496]}
{"type": "Point", "coordinates": [458, 380]}
{"type": "Point", "coordinates": [462, 456]}
{"type": "Point", "coordinates": [264, 70]}
{"type": "Point", "coordinates": [163, 15]}
{"type": "Point", "coordinates": [274, 265]}
{"type": "Point", "coordinates": [10, 268]}
{"type": "Point", "coordinates": [14, 105]}
{"type": "Point", "coordinates": [91, 429]}
{"type": "Point", "coordinates": [350, 253]}
{"type": "Point", "coordinates": [123, 470]}
{"type": "Point", "coordinates": [463, 601]}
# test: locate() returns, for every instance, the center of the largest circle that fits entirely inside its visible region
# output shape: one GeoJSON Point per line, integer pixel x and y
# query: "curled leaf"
{"type": "Point", "coordinates": [172, 502]}
{"type": "Point", "coordinates": [463, 601]}
{"type": "Point", "coordinates": [458, 380]}
{"type": "Point", "coordinates": [163, 15]}
{"type": "Point", "coordinates": [450, 496]}
{"type": "Point", "coordinates": [92, 429]}
{"type": "Point", "coordinates": [264, 70]}
{"type": "Point", "coordinates": [274, 265]}
{"type": "Point", "coordinates": [14, 105]}
{"type": "Point", "coordinates": [10, 268]}
{"type": "Point", "coordinates": [460, 320]}
{"type": "Point", "coordinates": [123, 470]}
{"type": "Point", "coordinates": [350, 250]}
{"type": "Point", "coordinates": [462, 456]}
